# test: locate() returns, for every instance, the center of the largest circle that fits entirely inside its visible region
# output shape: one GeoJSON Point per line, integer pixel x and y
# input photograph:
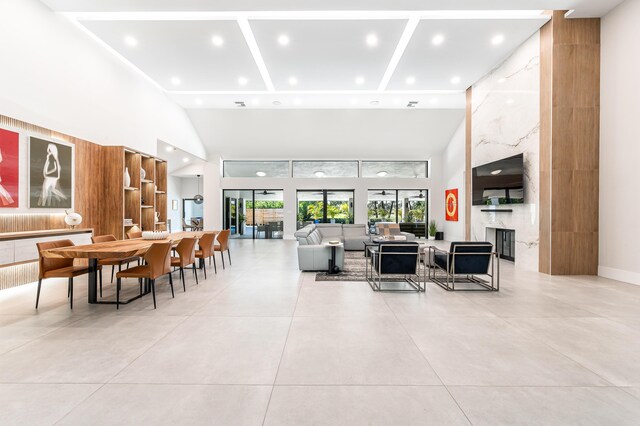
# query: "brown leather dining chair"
{"type": "Point", "coordinates": [158, 263]}
{"type": "Point", "coordinates": [205, 250]}
{"type": "Point", "coordinates": [186, 256]}
{"type": "Point", "coordinates": [134, 232]}
{"type": "Point", "coordinates": [57, 267]}
{"type": "Point", "coordinates": [111, 262]}
{"type": "Point", "coordinates": [223, 245]}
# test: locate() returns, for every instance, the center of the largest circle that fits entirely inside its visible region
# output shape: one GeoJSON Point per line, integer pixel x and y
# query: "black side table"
{"type": "Point", "coordinates": [333, 268]}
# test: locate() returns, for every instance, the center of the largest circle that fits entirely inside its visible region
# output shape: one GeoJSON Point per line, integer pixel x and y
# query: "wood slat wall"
{"type": "Point", "coordinates": [570, 138]}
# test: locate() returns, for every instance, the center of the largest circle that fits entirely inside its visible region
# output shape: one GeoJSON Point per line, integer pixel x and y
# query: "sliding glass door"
{"type": "Point", "coordinates": [409, 208]}
{"type": "Point", "coordinates": [254, 214]}
{"type": "Point", "coordinates": [324, 206]}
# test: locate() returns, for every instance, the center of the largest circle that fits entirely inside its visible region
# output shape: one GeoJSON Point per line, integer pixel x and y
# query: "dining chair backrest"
{"type": "Point", "coordinates": [103, 238]}
{"type": "Point", "coordinates": [206, 243]}
{"type": "Point", "coordinates": [186, 251]}
{"type": "Point", "coordinates": [223, 239]}
{"type": "Point", "coordinates": [159, 260]}
{"type": "Point", "coordinates": [134, 232]}
{"type": "Point", "coordinates": [46, 264]}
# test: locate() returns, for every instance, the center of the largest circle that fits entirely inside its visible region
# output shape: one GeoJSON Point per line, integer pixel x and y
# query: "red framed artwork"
{"type": "Point", "coordinates": [9, 168]}
{"type": "Point", "coordinates": [451, 204]}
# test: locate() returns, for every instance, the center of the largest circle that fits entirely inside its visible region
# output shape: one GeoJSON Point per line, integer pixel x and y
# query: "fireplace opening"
{"type": "Point", "coordinates": [506, 244]}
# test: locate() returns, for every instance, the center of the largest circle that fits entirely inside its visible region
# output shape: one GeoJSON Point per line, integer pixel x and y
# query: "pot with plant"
{"type": "Point", "coordinates": [433, 229]}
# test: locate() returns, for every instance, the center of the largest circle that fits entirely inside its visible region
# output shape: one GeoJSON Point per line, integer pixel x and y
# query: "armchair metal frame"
{"type": "Point", "coordinates": [449, 281]}
{"type": "Point", "coordinates": [375, 282]}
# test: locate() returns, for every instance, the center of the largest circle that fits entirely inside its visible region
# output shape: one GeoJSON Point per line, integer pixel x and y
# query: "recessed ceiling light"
{"type": "Point", "coordinates": [319, 174]}
{"type": "Point", "coordinates": [297, 101]}
{"type": "Point", "coordinates": [176, 81]}
{"type": "Point", "coordinates": [396, 101]}
{"type": "Point", "coordinates": [410, 80]}
{"type": "Point", "coordinates": [502, 80]}
{"type": "Point", "coordinates": [433, 101]}
{"type": "Point", "coordinates": [276, 103]}
{"type": "Point", "coordinates": [372, 40]}
{"type": "Point", "coordinates": [283, 40]}
{"type": "Point", "coordinates": [437, 39]}
{"type": "Point", "coordinates": [455, 80]}
{"type": "Point", "coordinates": [496, 172]}
{"type": "Point", "coordinates": [217, 40]}
{"type": "Point", "coordinates": [510, 101]}
{"type": "Point", "coordinates": [293, 81]}
{"type": "Point", "coordinates": [359, 80]}
{"type": "Point", "coordinates": [255, 101]}
{"type": "Point", "coordinates": [199, 101]}
{"type": "Point", "coordinates": [353, 101]}
{"type": "Point", "coordinates": [242, 81]}
{"type": "Point", "coordinates": [497, 39]}
{"type": "Point", "coordinates": [131, 41]}
{"type": "Point", "coordinates": [382, 173]}
{"type": "Point", "coordinates": [185, 159]}
{"type": "Point", "coordinates": [170, 149]}
{"type": "Point", "coordinates": [261, 174]}
{"type": "Point", "coordinates": [374, 103]}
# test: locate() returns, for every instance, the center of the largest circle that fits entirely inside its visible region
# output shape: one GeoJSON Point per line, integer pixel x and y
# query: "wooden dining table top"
{"type": "Point", "coordinates": [120, 249]}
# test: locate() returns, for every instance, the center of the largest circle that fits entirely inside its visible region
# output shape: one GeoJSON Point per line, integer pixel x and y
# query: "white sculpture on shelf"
{"type": "Point", "coordinates": [127, 178]}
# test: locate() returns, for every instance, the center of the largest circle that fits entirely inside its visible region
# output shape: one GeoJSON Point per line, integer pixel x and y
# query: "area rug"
{"type": "Point", "coordinates": [354, 270]}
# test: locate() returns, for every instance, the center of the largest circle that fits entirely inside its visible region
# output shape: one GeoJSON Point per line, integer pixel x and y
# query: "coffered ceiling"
{"type": "Point", "coordinates": [314, 54]}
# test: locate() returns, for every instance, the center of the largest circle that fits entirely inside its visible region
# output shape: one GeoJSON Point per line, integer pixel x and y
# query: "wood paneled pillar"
{"type": "Point", "coordinates": [569, 145]}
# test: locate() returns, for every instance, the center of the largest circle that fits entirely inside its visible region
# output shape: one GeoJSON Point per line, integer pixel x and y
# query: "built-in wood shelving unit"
{"type": "Point", "coordinates": [141, 199]}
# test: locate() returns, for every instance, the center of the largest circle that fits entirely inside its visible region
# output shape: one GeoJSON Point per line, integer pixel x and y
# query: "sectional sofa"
{"type": "Point", "coordinates": [313, 253]}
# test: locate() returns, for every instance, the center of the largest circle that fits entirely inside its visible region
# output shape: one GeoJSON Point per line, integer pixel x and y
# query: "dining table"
{"type": "Point", "coordinates": [121, 249]}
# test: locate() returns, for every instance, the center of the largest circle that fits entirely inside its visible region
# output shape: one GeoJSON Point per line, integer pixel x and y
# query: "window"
{"type": "Point", "coordinates": [394, 169]}
{"type": "Point", "coordinates": [325, 169]}
{"type": "Point", "coordinates": [256, 214]}
{"type": "Point", "coordinates": [255, 169]}
{"type": "Point", "coordinates": [324, 206]}
{"type": "Point", "coordinates": [408, 207]}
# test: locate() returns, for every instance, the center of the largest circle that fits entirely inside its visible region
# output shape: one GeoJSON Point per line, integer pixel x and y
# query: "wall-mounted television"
{"type": "Point", "coordinates": [500, 182]}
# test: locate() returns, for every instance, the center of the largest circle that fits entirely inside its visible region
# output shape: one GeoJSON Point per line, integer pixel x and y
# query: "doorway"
{"type": "Point", "coordinates": [254, 213]}
{"type": "Point", "coordinates": [192, 213]}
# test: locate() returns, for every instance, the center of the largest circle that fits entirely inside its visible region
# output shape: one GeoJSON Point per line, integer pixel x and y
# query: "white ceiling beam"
{"type": "Point", "coordinates": [255, 52]}
{"type": "Point", "coordinates": [409, 29]}
{"type": "Point", "coordinates": [313, 92]}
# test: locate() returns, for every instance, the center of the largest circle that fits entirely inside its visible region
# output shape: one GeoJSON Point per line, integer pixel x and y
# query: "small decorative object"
{"type": "Point", "coordinates": [198, 199]}
{"type": "Point", "coordinates": [143, 174]}
{"type": "Point", "coordinates": [72, 219]}
{"type": "Point", "coordinates": [157, 217]}
{"type": "Point", "coordinates": [433, 229]}
{"type": "Point", "coordinates": [151, 235]}
{"type": "Point", "coordinates": [142, 201]}
{"type": "Point", "coordinates": [334, 242]}
{"type": "Point", "coordinates": [451, 204]}
{"type": "Point", "coordinates": [155, 187]}
{"type": "Point", "coordinates": [127, 178]}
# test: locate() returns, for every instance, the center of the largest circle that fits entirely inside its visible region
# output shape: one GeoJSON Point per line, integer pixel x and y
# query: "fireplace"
{"type": "Point", "coordinates": [506, 244]}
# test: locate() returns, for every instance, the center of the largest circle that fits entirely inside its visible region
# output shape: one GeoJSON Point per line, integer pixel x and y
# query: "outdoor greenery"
{"type": "Point", "coordinates": [265, 204]}
{"type": "Point", "coordinates": [312, 210]}
{"type": "Point", "coordinates": [385, 211]}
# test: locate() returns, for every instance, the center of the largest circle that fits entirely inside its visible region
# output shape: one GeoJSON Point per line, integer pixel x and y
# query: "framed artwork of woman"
{"type": "Point", "coordinates": [51, 174]}
{"type": "Point", "coordinates": [9, 168]}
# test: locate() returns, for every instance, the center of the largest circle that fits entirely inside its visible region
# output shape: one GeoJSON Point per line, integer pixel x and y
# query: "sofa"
{"type": "Point", "coordinates": [393, 229]}
{"type": "Point", "coordinates": [313, 253]}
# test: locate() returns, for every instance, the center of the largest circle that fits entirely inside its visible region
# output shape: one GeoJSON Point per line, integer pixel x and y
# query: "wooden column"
{"type": "Point", "coordinates": [467, 166]}
{"type": "Point", "coordinates": [569, 145]}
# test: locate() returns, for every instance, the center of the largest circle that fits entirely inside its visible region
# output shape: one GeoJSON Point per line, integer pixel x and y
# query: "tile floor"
{"type": "Point", "coordinates": [261, 343]}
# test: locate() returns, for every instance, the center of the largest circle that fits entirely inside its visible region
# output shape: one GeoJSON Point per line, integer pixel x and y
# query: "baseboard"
{"type": "Point", "coordinates": [619, 275]}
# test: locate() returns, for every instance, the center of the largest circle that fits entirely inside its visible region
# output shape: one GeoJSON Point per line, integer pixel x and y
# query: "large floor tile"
{"type": "Point", "coordinates": [606, 347]}
{"type": "Point", "coordinates": [16, 330]}
{"type": "Point", "coordinates": [547, 406]}
{"type": "Point", "coordinates": [529, 306]}
{"type": "Point", "coordinates": [256, 301]}
{"type": "Point", "coordinates": [363, 405]}
{"type": "Point", "coordinates": [172, 405]}
{"type": "Point", "coordinates": [352, 350]}
{"type": "Point", "coordinates": [436, 302]}
{"type": "Point", "coordinates": [340, 299]}
{"type": "Point", "coordinates": [91, 350]}
{"type": "Point", "coordinates": [489, 351]}
{"type": "Point", "coordinates": [39, 404]}
{"type": "Point", "coordinates": [213, 350]}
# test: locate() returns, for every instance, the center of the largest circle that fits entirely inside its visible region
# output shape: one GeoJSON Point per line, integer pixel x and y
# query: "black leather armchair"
{"type": "Point", "coordinates": [399, 261]}
{"type": "Point", "coordinates": [462, 263]}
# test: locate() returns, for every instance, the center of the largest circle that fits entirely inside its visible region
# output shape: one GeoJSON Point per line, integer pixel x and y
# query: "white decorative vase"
{"type": "Point", "coordinates": [127, 177]}
{"type": "Point", "coordinates": [432, 238]}
{"type": "Point", "coordinates": [143, 173]}
{"type": "Point", "coordinates": [157, 217]}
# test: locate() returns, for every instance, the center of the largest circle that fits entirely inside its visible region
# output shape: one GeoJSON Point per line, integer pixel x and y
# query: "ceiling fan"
{"type": "Point", "coordinates": [265, 192]}
{"type": "Point", "coordinates": [419, 197]}
{"type": "Point", "coordinates": [383, 193]}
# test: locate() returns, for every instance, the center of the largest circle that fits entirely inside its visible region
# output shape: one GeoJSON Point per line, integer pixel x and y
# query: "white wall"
{"type": "Point", "coordinates": [620, 144]}
{"type": "Point", "coordinates": [54, 75]}
{"type": "Point", "coordinates": [453, 165]}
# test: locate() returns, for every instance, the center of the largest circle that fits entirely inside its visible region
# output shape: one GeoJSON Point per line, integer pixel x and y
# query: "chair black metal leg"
{"type": "Point", "coordinates": [140, 284]}
{"type": "Point", "coordinates": [113, 269]}
{"type": "Point", "coordinates": [184, 287]}
{"type": "Point", "coordinates": [195, 272]}
{"type": "Point", "coordinates": [100, 282]}
{"type": "Point", "coordinates": [118, 284]}
{"type": "Point", "coordinates": [222, 256]}
{"type": "Point", "coordinates": [38, 294]}
{"type": "Point", "coordinates": [171, 284]}
{"type": "Point", "coordinates": [71, 292]}
{"type": "Point", "coordinates": [229, 254]}
{"type": "Point", "coordinates": [215, 267]}
{"type": "Point", "coordinates": [204, 268]}
{"type": "Point", "coordinates": [153, 292]}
